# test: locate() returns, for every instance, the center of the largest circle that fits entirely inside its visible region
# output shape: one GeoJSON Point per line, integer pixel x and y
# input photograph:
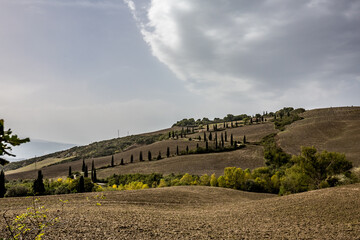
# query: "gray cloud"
{"type": "Point", "coordinates": [262, 48]}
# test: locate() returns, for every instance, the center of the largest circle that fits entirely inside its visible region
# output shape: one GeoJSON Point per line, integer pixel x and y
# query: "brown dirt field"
{"type": "Point", "coordinates": [202, 213]}
{"type": "Point", "coordinates": [199, 164]}
{"type": "Point", "coordinates": [331, 129]}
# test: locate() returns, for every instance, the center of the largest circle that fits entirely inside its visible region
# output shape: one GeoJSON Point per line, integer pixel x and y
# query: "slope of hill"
{"type": "Point", "coordinates": [202, 213]}
{"type": "Point", "coordinates": [249, 157]}
{"type": "Point", "coordinates": [331, 129]}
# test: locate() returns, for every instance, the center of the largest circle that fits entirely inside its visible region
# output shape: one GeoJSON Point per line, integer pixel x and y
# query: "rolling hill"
{"type": "Point", "coordinates": [332, 129]}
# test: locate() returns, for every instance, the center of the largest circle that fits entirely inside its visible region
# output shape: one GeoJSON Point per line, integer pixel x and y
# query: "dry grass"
{"type": "Point", "coordinates": [331, 129]}
{"type": "Point", "coordinates": [203, 213]}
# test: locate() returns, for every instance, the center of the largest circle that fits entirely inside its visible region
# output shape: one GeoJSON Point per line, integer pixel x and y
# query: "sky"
{"type": "Point", "coordinates": [80, 71]}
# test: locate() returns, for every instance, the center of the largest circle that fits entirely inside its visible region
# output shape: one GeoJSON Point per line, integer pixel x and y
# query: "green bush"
{"type": "Point", "coordinates": [18, 190]}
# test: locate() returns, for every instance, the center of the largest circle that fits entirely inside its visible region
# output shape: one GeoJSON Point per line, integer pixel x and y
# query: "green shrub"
{"type": "Point", "coordinates": [18, 190]}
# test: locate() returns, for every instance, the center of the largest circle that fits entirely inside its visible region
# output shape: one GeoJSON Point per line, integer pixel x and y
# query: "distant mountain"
{"type": "Point", "coordinates": [37, 148]}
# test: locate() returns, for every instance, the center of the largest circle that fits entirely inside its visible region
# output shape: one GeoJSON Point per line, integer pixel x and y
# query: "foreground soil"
{"type": "Point", "coordinates": [201, 213]}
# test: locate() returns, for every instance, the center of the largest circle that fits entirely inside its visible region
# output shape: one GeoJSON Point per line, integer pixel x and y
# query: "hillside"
{"type": "Point", "coordinates": [331, 129]}
{"type": "Point", "coordinates": [249, 157]}
{"type": "Point", "coordinates": [202, 213]}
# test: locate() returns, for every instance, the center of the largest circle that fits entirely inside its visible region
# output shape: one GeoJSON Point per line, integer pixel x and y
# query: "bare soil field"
{"type": "Point", "coordinates": [199, 164]}
{"type": "Point", "coordinates": [201, 213]}
{"type": "Point", "coordinates": [331, 129]}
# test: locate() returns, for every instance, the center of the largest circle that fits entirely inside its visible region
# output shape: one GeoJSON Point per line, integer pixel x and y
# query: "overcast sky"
{"type": "Point", "coordinates": [77, 71]}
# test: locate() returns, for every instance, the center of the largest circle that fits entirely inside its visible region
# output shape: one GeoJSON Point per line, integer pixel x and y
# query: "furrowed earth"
{"type": "Point", "coordinates": [195, 212]}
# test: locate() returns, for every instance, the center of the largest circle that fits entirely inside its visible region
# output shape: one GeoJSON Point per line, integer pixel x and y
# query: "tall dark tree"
{"type": "Point", "coordinates": [86, 173]}
{"type": "Point", "coordinates": [210, 136]}
{"type": "Point", "coordinates": [225, 136]}
{"type": "Point", "coordinates": [93, 171]}
{"type": "Point", "coordinates": [140, 156]}
{"type": "Point", "coordinates": [177, 150]}
{"type": "Point", "coordinates": [224, 124]}
{"type": "Point", "coordinates": [95, 178]}
{"type": "Point", "coordinates": [244, 139]}
{"type": "Point", "coordinates": [168, 152]}
{"type": "Point", "coordinates": [197, 146]}
{"type": "Point", "coordinates": [149, 155]}
{"type": "Point", "coordinates": [38, 186]}
{"type": "Point", "coordinates": [207, 127]}
{"type": "Point", "coordinates": [199, 138]}
{"type": "Point", "coordinates": [131, 158]}
{"type": "Point", "coordinates": [187, 149]}
{"type": "Point", "coordinates": [112, 161]}
{"type": "Point", "coordinates": [122, 162]}
{"type": "Point", "coordinates": [2, 184]}
{"type": "Point", "coordinates": [222, 137]}
{"type": "Point", "coordinates": [231, 140]}
{"type": "Point", "coordinates": [169, 134]}
{"type": "Point", "coordinates": [81, 186]}
{"type": "Point", "coordinates": [205, 137]}
{"type": "Point", "coordinates": [83, 166]}
{"type": "Point", "coordinates": [70, 173]}
{"type": "Point", "coordinates": [159, 156]}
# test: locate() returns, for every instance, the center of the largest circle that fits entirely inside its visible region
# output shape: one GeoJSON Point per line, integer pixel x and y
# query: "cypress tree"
{"type": "Point", "coordinates": [93, 171]}
{"type": "Point", "coordinates": [122, 162]}
{"type": "Point", "coordinates": [187, 149]}
{"type": "Point", "coordinates": [225, 136]}
{"type": "Point", "coordinates": [81, 186]}
{"type": "Point", "coordinates": [131, 158]}
{"type": "Point", "coordinates": [112, 160]}
{"type": "Point", "coordinates": [173, 134]}
{"type": "Point", "coordinates": [70, 173]}
{"type": "Point", "coordinates": [38, 186]}
{"type": "Point", "coordinates": [140, 156]}
{"type": "Point", "coordinates": [95, 179]}
{"type": "Point", "coordinates": [168, 152]}
{"type": "Point", "coordinates": [177, 150]}
{"type": "Point", "coordinates": [169, 134]}
{"type": "Point", "coordinates": [207, 127]}
{"type": "Point", "coordinates": [244, 139]}
{"type": "Point", "coordinates": [83, 166]}
{"type": "Point", "coordinates": [197, 146]}
{"type": "Point", "coordinates": [199, 138]}
{"type": "Point", "coordinates": [159, 156]}
{"type": "Point", "coordinates": [205, 137]}
{"type": "Point", "coordinates": [231, 140]}
{"type": "Point", "coordinates": [86, 174]}
{"type": "Point", "coordinates": [149, 155]}
{"type": "Point", "coordinates": [210, 136]}
{"type": "Point", "coordinates": [2, 184]}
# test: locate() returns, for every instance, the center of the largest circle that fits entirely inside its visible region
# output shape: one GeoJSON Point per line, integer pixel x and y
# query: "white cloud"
{"type": "Point", "coordinates": [253, 48]}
